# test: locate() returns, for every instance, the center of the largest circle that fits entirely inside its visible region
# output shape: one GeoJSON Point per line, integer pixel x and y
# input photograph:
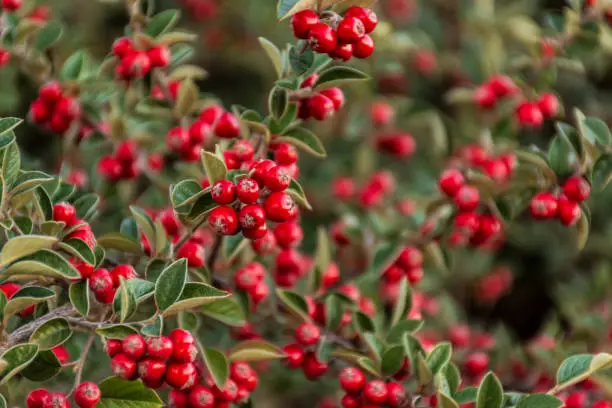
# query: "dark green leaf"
{"type": "Point", "coordinates": [384, 254]}
{"type": "Point", "coordinates": [490, 393]}
{"type": "Point", "coordinates": [22, 246]}
{"type": "Point", "coordinates": [300, 62]}
{"type": "Point", "coordinates": [363, 323]}
{"type": "Point", "coordinates": [75, 66]}
{"type": "Point", "coordinates": [296, 192]}
{"type": "Point", "coordinates": [392, 359]}
{"type": "Point", "coordinates": [162, 22]}
{"type": "Point", "coordinates": [562, 156]}
{"type": "Point", "coordinates": [337, 76]}
{"type": "Point", "coordinates": [26, 296]}
{"type": "Point", "coordinates": [16, 359]}
{"type": "Point", "coordinates": [278, 101]}
{"type": "Point", "coordinates": [217, 365]}
{"type": "Point", "coordinates": [153, 329]}
{"type": "Point", "coordinates": [404, 302]}
{"type": "Point", "coordinates": [124, 304]}
{"type": "Point", "coordinates": [602, 172]}
{"type": "Point", "coordinates": [51, 334]}
{"type": "Point", "coordinates": [79, 297]}
{"type": "Point", "coordinates": [194, 295]}
{"type": "Point", "coordinates": [170, 284]}
{"type": "Point", "coordinates": [439, 356]}
{"type": "Point", "coordinates": [540, 401]}
{"type": "Point", "coordinates": [119, 242]}
{"type": "Point", "coordinates": [574, 366]}
{"type": "Point", "coordinates": [29, 180]}
{"type": "Point", "coordinates": [596, 129]}
{"type": "Point", "coordinates": [6, 126]}
{"type": "Point", "coordinates": [11, 164]}
{"type": "Point", "coordinates": [227, 311]}
{"type": "Point", "coordinates": [186, 192]}
{"type": "Point", "coordinates": [232, 245]}
{"type": "Point", "coordinates": [116, 331]}
{"type": "Point", "coordinates": [44, 367]}
{"type": "Point", "coordinates": [48, 35]}
{"type": "Point", "coordinates": [396, 334]}
{"type": "Point", "coordinates": [86, 206]}
{"type": "Point", "coordinates": [79, 249]}
{"type": "Point", "coordinates": [294, 302]}
{"type": "Point", "coordinates": [120, 393]}
{"type": "Point", "coordinates": [467, 394]}
{"type": "Point", "coordinates": [44, 263]}
{"type": "Point", "coordinates": [255, 350]}
{"type": "Point", "coordinates": [333, 312]}
{"type": "Point", "coordinates": [305, 140]}
{"type": "Point", "coordinates": [284, 6]}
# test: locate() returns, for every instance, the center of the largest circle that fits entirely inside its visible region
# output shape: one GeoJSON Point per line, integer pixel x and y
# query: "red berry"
{"type": "Point", "coordinates": [375, 392]}
{"type": "Point", "coordinates": [113, 347]}
{"type": "Point", "coordinates": [100, 280]}
{"type": "Point", "coordinates": [227, 126]}
{"type": "Point", "coordinates": [260, 170]}
{"type": "Point", "coordinates": [50, 93]}
{"type": "Point", "coordinates": [503, 86]}
{"type": "Point", "coordinates": [123, 366]}
{"type": "Point", "coordinates": [87, 395]}
{"type": "Point", "coordinates": [396, 395]}
{"type": "Point", "coordinates": [409, 258]}
{"type": "Point", "coordinates": [577, 189]}
{"type": "Point", "coordinates": [159, 56]}
{"type": "Point", "coordinates": [223, 192]}
{"type": "Point", "coordinates": [381, 114]}
{"type": "Point", "coordinates": [490, 228]}
{"type": "Point", "coordinates": [303, 22]}
{"type": "Point", "coordinates": [460, 335]}
{"type": "Point", "coordinates": [543, 206]}
{"type": "Point", "coordinates": [496, 169]}
{"type": "Point", "coordinates": [310, 81]}
{"type": "Point", "coordinates": [178, 399]}
{"type": "Point", "coordinates": [38, 398]}
{"type": "Point", "coordinates": [11, 5]}
{"type": "Point", "coordinates": [350, 30]}
{"type": "Point", "coordinates": [124, 271]}
{"type": "Point", "coordinates": [68, 107]}
{"type": "Point", "coordinates": [367, 16]}
{"type": "Point", "coordinates": [467, 198]}
{"type": "Point", "coordinates": [280, 207]}
{"type": "Point", "coordinates": [224, 220]}
{"type": "Point", "coordinates": [476, 363]}
{"type": "Point", "coordinates": [151, 369]}
{"type": "Point", "coordinates": [249, 276]}
{"type": "Point", "coordinates": [156, 161]}
{"type": "Point", "coordinates": [191, 153]}
{"type": "Point", "coordinates": [485, 97]}
{"type": "Point", "coordinates": [177, 139]}
{"type": "Point", "coordinates": [576, 400]}
{"type": "Point", "coordinates": [451, 181]}
{"type": "Point", "coordinates": [110, 168]}
{"type": "Point", "coordinates": [127, 151]}
{"type": "Point", "coordinates": [170, 221]}
{"type": "Point", "coordinates": [294, 355]}
{"type": "Point", "coordinates": [336, 96]}
{"type": "Point", "coordinates": [5, 57]}
{"type": "Point", "coordinates": [320, 107]}
{"type": "Point", "coordinates": [285, 154]}
{"type": "Point", "coordinates": [313, 368]}
{"type": "Point", "coordinates": [180, 336]}
{"type": "Point", "coordinates": [307, 334]}
{"type": "Point", "coordinates": [569, 211]}
{"type": "Point", "coordinates": [181, 376]}
{"type": "Point", "coordinates": [350, 401]}
{"type": "Point", "coordinates": [364, 47]}
{"type": "Point", "coordinates": [64, 212]}
{"type": "Point", "coordinates": [199, 132]}
{"type": "Point", "coordinates": [211, 114]}
{"type": "Point", "coordinates": [467, 224]}
{"type": "Point", "coordinates": [122, 47]}
{"type": "Point", "coordinates": [264, 245]}
{"type": "Point", "coordinates": [184, 353]}
{"type": "Point", "coordinates": [244, 150]}
{"type": "Point", "coordinates": [342, 52]}
{"type": "Point", "coordinates": [241, 373]}
{"type": "Point", "coordinates": [277, 179]}
{"type": "Point", "coordinates": [159, 347]}
{"type": "Point", "coordinates": [134, 346]}
{"type": "Point", "coordinates": [529, 115]}
{"type": "Point", "coordinates": [193, 252]}
{"type": "Point", "coordinates": [57, 400]}
{"type": "Point", "coordinates": [352, 380]}
{"type": "Point", "coordinates": [548, 104]}
{"type": "Point", "coordinates": [322, 38]}
{"type": "Point", "coordinates": [201, 397]}
{"type": "Point", "coordinates": [252, 216]}
{"type": "Point", "coordinates": [39, 112]}
{"type": "Point", "coordinates": [288, 234]}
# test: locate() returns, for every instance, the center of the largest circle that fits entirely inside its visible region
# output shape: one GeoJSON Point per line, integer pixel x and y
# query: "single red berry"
{"type": "Point", "coordinates": [260, 169]}
{"type": "Point", "coordinates": [364, 47]}
{"type": "Point", "coordinates": [241, 373]}
{"type": "Point", "coordinates": [577, 189]}
{"type": "Point", "coordinates": [467, 224]}
{"type": "Point", "coordinates": [211, 114]}
{"type": "Point", "coordinates": [277, 179]}
{"type": "Point", "coordinates": [451, 181]}
{"type": "Point", "coordinates": [280, 207]}
{"type": "Point", "coordinates": [485, 97]}
{"type": "Point", "coordinates": [180, 336]}
{"type": "Point", "coordinates": [350, 30]}
{"type": "Point", "coordinates": [137, 64]}
{"type": "Point", "coordinates": [59, 124]}
{"type": "Point", "coordinates": [11, 5]}
{"type": "Point", "coordinates": [224, 220]}
{"type": "Point", "coordinates": [310, 81]}
{"type": "Point", "coordinates": [100, 280]}
{"type": "Point", "coordinates": [307, 334]}
{"type": "Point", "coordinates": [5, 57]}
{"type": "Point", "coordinates": [243, 395]}
{"type": "Point", "coordinates": [247, 191]}
{"type": "Point", "coordinates": [151, 369]}
{"type": "Point", "coordinates": [496, 169]}
{"type": "Point", "coordinates": [244, 150]}
{"type": "Point", "coordinates": [159, 56]}
{"type": "Point", "coordinates": [113, 347]}
{"type": "Point", "coordinates": [249, 276]}
{"type": "Point", "coordinates": [320, 107]}
{"type": "Point", "coordinates": [529, 114]}
{"type": "Point", "coordinates": [191, 153]}
{"type": "Point", "coordinates": [50, 93]}
{"type": "Point", "coordinates": [476, 363]}
{"type": "Point", "coordinates": [336, 96]}
{"type": "Point", "coordinates": [264, 245]}
{"type": "Point", "coordinates": [467, 198]}
{"type": "Point", "coordinates": [366, 15]}
{"type": "Point", "coordinates": [184, 353]}
{"type": "Point", "coordinates": [342, 52]}
{"type": "Point", "coordinates": [134, 346]}
{"type": "Point", "coordinates": [602, 404]}
{"type": "Point", "coordinates": [127, 151]}
{"type": "Point", "coordinates": [223, 192]}
{"type": "Point", "coordinates": [39, 112]}
{"type": "Point", "coordinates": [490, 227]}
{"type": "Point", "coordinates": [352, 380]}
{"type": "Point", "coordinates": [123, 366]}
{"type": "Point", "coordinates": [87, 395]}
{"type": "Point", "coordinates": [169, 221]}
{"type": "Point", "coordinates": [193, 252]}
{"type": "Point", "coordinates": [285, 154]}
{"type": "Point", "coordinates": [322, 38]}
{"type": "Point", "coordinates": [64, 212]}
{"type": "Point", "coordinates": [303, 22]}
{"type": "Point", "coordinates": [124, 271]}
{"type": "Point", "coordinates": [68, 107]}
{"type": "Point", "coordinates": [288, 234]}
{"type": "Point", "coordinates": [569, 211]}
{"type": "Point", "coordinates": [57, 400]}
{"type": "Point", "coordinates": [259, 293]}
{"type": "Point", "coordinates": [576, 399]}
{"type": "Point", "coordinates": [543, 206]}
{"type": "Point", "coordinates": [228, 393]}
{"type": "Point", "coordinates": [37, 398]}
{"type": "Point", "coordinates": [201, 397]}
{"type": "Point", "coordinates": [294, 355]}
{"type": "Point", "coordinates": [381, 113]}
{"type": "Point", "coordinates": [350, 401]}
{"type": "Point", "coordinates": [459, 335]}
{"type": "Point", "coordinates": [181, 376]}
{"type": "Point", "coordinates": [227, 126]}
{"type": "Point", "coordinates": [122, 47]}
{"type": "Point", "coordinates": [410, 257]}
{"type": "Point", "coordinates": [252, 216]}
{"type": "Point", "coordinates": [156, 161]}
{"type": "Point", "coordinates": [502, 86]}
{"type": "Point", "coordinates": [375, 392]}
{"type": "Point", "coordinates": [396, 395]}
{"type": "Point", "coordinates": [178, 399]}
{"type": "Point", "coordinates": [109, 168]}
{"type": "Point", "coordinates": [177, 139]}
{"type": "Point", "coordinates": [313, 367]}
{"type": "Point", "coordinates": [199, 132]}
{"type": "Point", "coordinates": [159, 347]}
{"type": "Point", "coordinates": [548, 104]}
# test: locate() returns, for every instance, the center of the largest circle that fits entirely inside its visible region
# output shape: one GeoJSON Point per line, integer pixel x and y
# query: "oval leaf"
{"type": "Point", "coordinates": [120, 393]}
{"type": "Point", "coordinates": [255, 350]}
{"type": "Point", "coordinates": [51, 334]}
{"type": "Point", "coordinates": [170, 284]}
{"type": "Point", "coordinates": [194, 295]}
{"type": "Point", "coordinates": [305, 140]}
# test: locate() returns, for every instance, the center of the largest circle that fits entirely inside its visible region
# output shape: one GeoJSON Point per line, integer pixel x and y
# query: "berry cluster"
{"type": "Point", "coordinates": [362, 393]}
{"type": "Point", "coordinates": [566, 206]}
{"type": "Point", "coordinates": [53, 109]}
{"type": "Point", "coordinates": [74, 228]}
{"type": "Point", "coordinates": [243, 380]}
{"type": "Point", "coordinates": [104, 283]}
{"type": "Point", "coordinates": [409, 263]}
{"type": "Point", "coordinates": [470, 227]}
{"type": "Point", "coordinates": [321, 105]}
{"type": "Point", "coordinates": [371, 194]}
{"type": "Point", "coordinates": [499, 168]}
{"type": "Point", "coordinates": [135, 63]}
{"type": "Point", "coordinates": [122, 165]}
{"type": "Point", "coordinates": [307, 336]}
{"type": "Point", "coordinates": [86, 395]}
{"type": "Point", "coordinates": [396, 143]}
{"type": "Point", "coordinates": [347, 37]}
{"type": "Point", "coordinates": [250, 278]}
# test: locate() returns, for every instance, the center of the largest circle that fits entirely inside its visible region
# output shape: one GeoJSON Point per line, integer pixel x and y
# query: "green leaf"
{"type": "Point", "coordinates": [44, 263]}
{"type": "Point", "coordinates": [300, 62]}
{"type": "Point", "coordinates": [424, 374]}
{"type": "Point", "coordinates": [363, 323]}
{"type": "Point", "coordinates": [170, 284]}
{"type": "Point", "coordinates": [453, 377]}
{"type": "Point", "coordinates": [384, 254]}
{"type": "Point", "coordinates": [29, 180]}
{"type": "Point", "coordinates": [217, 365]}
{"type": "Point", "coordinates": [255, 350]}
{"type": "Point", "coordinates": [596, 130]}
{"type": "Point", "coordinates": [86, 206]}
{"type": "Point", "coordinates": [23, 246]}
{"type": "Point", "coordinates": [296, 192]}
{"type": "Point", "coordinates": [201, 207]}
{"type": "Point", "coordinates": [146, 226]}
{"type": "Point", "coordinates": [162, 22]}
{"type": "Point", "coordinates": [26, 296]}
{"type": "Point", "coordinates": [294, 302]}
{"type": "Point", "coordinates": [120, 393]}
{"type": "Point", "coordinates": [43, 204]}
{"type": "Point", "coordinates": [392, 359]}
{"type": "Point", "coordinates": [232, 245]}
{"type": "Point", "coordinates": [574, 367]}
{"type": "Point", "coordinates": [154, 269]}
{"type": "Point", "coordinates": [79, 249]}
{"type": "Point", "coordinates": [44, 367]}
{"type": "Point", "coordinates": [16, 359]}
{"type": "Point", "coordinates": [467, 394]}
{"type": "Point", "coordinates": [373, 344]}
{"type": "Point", "coordinates": [284, 6]}
{"type": "Point", "coordinates": [404, 302]}
{"type": "Point", "coordinates": [126, 298]}
{"type": "Point", "coordinates": [189, 321]}
{"type": "Point", "coordinates": [333, 311]}
{"type": "Point", "coordinates": [227, 311]}
{"type": "Point", "coordinates": [48, 35]}
{"type": "Point", "coordinates": [273, 54]}
{"type": "Point", "coordinates": [6, 126]}
{"type": "Point", "coordinates": [540, 401]}
{"type": "Point", "coordinates": [11, 163]}
{"type": "Point", "coordinates": [278, 101]}
{"type": "Point", "coordinates": [305, 140]}
{"type": "Point", "coordinates": [337, 76]}
{"type": "Point", "coordinates": [51, 334]}
{"type": "Point", "coordinates": [445, 401]}
{"type": "Point", "coordinates": [279, 126]}
{"type": "Point", "coordinates": [79, 297]}
{"type": "Point", "coordinates": [490, 393]}
{"type": "Point", "coordinates": [116, 331]}
{"type": "Point", "coordinates": [562, 156]}
{"type": "Point", "coordinates": [214, 167]}
{"type": "Point", "coordinates": [602, 172]}
{"type": "Point", "coordinates": [194, 295]}
{"type": "Point", "coordinates": [396, 334]}
{"type": "Point", "coordinates": [439, 357]}
{"type": "Point", "coordinates": [186, 192]}
{"type": "Point", "coordinates": [582, 230]}
{"type": "Point", "coordinates": [75, 66]}
{"type": "Point", "coordinates": [369, 365]}
{"type": "Point", "coordinates": [119, 242]}
{"type": "Point", "coordinates": [153, 329]}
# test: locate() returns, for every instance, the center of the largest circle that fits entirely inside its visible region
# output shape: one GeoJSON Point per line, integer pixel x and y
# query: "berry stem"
{"type": "Point", "coordinates": [83, 359]}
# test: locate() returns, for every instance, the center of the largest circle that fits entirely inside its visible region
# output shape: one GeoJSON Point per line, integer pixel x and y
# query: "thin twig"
{"type": "Point", "coordinates": [210, 262]}
{"type": "Point", "coordinates": [83, 359]}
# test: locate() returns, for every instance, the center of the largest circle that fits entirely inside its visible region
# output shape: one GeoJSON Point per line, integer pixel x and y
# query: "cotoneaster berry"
{"type": "Point", "coordinates": [224, 220]}
{"type": "Point", "coordinates": [181, 376]}
{"type": "Point", "coordinates": [87, 395]}
{"type": "Point", "coordinates": [303, 22]}
{"type": "Point", "coordinates": [123, 366]}
{"type": "Point", "coordinates": [201, 397]}
{"type": "Point", "coordinates": [576, 189]}
{"type": "Point", "coordinates": [134, 346]}
{"type": "Point", "coordinates": [294, 355]}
